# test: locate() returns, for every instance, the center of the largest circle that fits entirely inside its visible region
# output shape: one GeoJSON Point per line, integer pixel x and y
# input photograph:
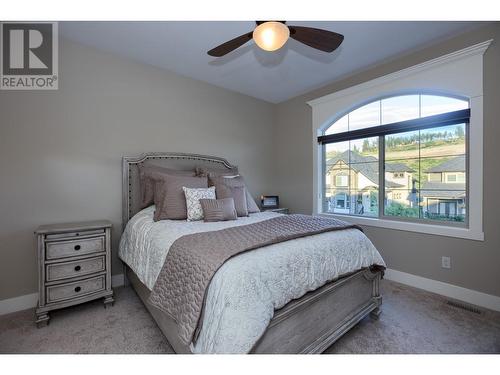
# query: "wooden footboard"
{"type": "Point", "coordinates": [314, 322]}
{"type": "Point", "coordinates": [309, 324]}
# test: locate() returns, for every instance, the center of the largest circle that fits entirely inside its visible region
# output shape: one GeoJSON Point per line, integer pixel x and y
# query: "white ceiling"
{"type": "Point", "coordinates": [272, 76]}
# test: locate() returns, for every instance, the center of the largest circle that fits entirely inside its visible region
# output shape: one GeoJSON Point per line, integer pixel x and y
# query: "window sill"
{"type": "Point", "coordinates": [438, 230]}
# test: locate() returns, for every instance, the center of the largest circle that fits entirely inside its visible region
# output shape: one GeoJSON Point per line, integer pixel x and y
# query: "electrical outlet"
{"type": "Point", "coordinates": [446, 262]}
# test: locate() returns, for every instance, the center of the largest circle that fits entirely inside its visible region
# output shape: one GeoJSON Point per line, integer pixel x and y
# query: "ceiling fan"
{"type": "Point", "coordinates": [272, 35]}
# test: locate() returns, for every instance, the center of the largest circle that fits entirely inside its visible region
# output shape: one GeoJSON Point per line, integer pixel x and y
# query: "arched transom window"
{"type": "Point", "coordinates": [401, 157]}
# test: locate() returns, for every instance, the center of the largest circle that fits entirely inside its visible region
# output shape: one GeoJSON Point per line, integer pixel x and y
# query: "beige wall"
{"type": "Point", "coordinates": [60, 152]}
{"type": "Point", "coordinates": [475, 265]}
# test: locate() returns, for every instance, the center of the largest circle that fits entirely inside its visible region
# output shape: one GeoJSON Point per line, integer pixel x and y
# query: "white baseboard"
{"type": "Point", "coordinates": [11, 305]}
{"type": "Point", "coordinates": [448, 290]}
{"type": "Point", "coordinates": [29, 301]}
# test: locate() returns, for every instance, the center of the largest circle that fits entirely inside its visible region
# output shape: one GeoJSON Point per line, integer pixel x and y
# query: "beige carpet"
{"type": "Point", "coordinates": [413, 321]}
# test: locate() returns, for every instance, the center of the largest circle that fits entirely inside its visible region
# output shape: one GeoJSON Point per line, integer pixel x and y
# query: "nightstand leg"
{"type": "Point", "coordinates": [108, 301]}
{"type": "Point", "coordinates": [42, 319]}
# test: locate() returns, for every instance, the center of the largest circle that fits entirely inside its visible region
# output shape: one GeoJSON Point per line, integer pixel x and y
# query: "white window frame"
{"type": "Point", "coordinates": [458, 73]}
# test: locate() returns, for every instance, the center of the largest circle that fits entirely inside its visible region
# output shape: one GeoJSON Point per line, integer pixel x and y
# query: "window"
{"type": "Point", "coordinates": [455, 177]}
{"type": "Point", "coordinates": [341, 181]}
{"type": "Point", "coordinates": [401, 157]}
{"type": "Point", "coordinates": [451, 178]}
{"type": "Point", "coordinates": [457, 79]}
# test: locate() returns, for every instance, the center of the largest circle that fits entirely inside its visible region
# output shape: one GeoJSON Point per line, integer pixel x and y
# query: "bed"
{"type": "Point", "coordinates": [315, 308]}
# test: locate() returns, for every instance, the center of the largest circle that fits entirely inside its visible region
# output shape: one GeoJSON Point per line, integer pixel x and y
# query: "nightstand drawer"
{"type": "Point", "coordinates": [75, 289]}
{"type": "Point", "coordinates": [63, 249]}
{"type": "Point", "coordinates": [59, 271]}
{"type": "Point", "coordinates": [73, 234]}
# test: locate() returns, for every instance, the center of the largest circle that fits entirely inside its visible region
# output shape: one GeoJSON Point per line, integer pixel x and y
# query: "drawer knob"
{"type": "Point", "coordinates": [77, 289]}
{"type": "Point", "coordinates": [78, 268]}
{"type": "Point", "coordinates": [77, 247]}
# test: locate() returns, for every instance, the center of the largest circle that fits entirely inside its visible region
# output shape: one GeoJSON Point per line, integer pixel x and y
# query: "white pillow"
{"type": "Point", "coordinates": [193, 196]}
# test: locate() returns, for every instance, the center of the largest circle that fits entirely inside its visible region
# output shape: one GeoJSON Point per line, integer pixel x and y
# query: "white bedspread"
{"type": "Point", "coordinates": [247, 289]}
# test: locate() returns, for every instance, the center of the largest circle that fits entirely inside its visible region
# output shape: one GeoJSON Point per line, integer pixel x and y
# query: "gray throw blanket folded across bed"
{"type": "Point", "coordinates": [194, 259]}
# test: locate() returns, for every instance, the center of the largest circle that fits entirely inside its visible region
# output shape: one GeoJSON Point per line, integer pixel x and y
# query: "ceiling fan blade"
{"type": "Point", "coordinates": [324, 40]}
{"type": "Point", "coordinates": [227, 47]}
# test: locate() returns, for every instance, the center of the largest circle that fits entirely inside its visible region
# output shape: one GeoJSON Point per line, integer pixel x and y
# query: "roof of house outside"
{"type": "Point", "coordinates": [352, 157]}
{"type": "Point", "coordinates": [397, 167]}
{"type": "Point", "coordinates": [359, 163]}
{"type": "Point", "coordinates": [394, 185]}
{"type": "Point", "coordinates": [366, 165]}
{"type": "Point", "coordinates": [455, 164]}
{"type": "Point", "coordinates": [431, 189]}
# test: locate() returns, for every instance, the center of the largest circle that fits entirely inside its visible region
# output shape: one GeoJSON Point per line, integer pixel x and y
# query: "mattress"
{"type": "Point", "coordinates": [247, 289]}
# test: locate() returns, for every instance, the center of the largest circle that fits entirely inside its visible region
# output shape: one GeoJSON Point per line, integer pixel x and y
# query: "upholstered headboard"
{"type": "Point", "coordinates": [172, 160]}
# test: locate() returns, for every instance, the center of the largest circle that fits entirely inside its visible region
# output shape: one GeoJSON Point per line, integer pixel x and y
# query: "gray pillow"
{"type": "Point", "coordinates": [251, 205]}
{"type": "Point", "coordinates": [169, 196]}
{"type": "Point", "coordinates": [234, 181]}
{"type": "Point", "coordinates": [148, 174]}
{"type": "Point", "coordinates": [207, 172]}
{"type": "Point", "coordinates": [238, 193]}
{"type": "Point", "coordinates": [218, 209]}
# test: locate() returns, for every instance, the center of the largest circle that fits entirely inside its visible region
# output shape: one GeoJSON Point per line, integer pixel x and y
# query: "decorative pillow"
{"type": "Point", "coordinates": [207, 172]}
{"type": "Point", "coordinates": [148, 173]}
{"type": "Point", "coordinates": [233, 181]}
{"type": "Point", "coordinates": [251, 205]}
{"type": "Point", "coordinates": [238, 193]}
{"type": "Point", "coordinates": [169, 196]}
{"type": "Point", "coordinates": [193, 196]}
{"type": "Point", "coordinates": [218, 209]}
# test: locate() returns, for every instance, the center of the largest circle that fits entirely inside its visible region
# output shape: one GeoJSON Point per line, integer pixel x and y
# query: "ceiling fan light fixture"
{"type": "Point", "coordinates": [271, 35]}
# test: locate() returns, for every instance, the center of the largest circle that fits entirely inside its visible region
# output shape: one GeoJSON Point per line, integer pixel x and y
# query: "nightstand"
{"type": "Point", "coordinates": [278, 210]}
{"type": "Point", "coordinates": [74, 265]}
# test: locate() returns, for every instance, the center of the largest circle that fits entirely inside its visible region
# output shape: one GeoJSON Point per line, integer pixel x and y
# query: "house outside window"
{"type": "Point", "coordinates": [419, 143]}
